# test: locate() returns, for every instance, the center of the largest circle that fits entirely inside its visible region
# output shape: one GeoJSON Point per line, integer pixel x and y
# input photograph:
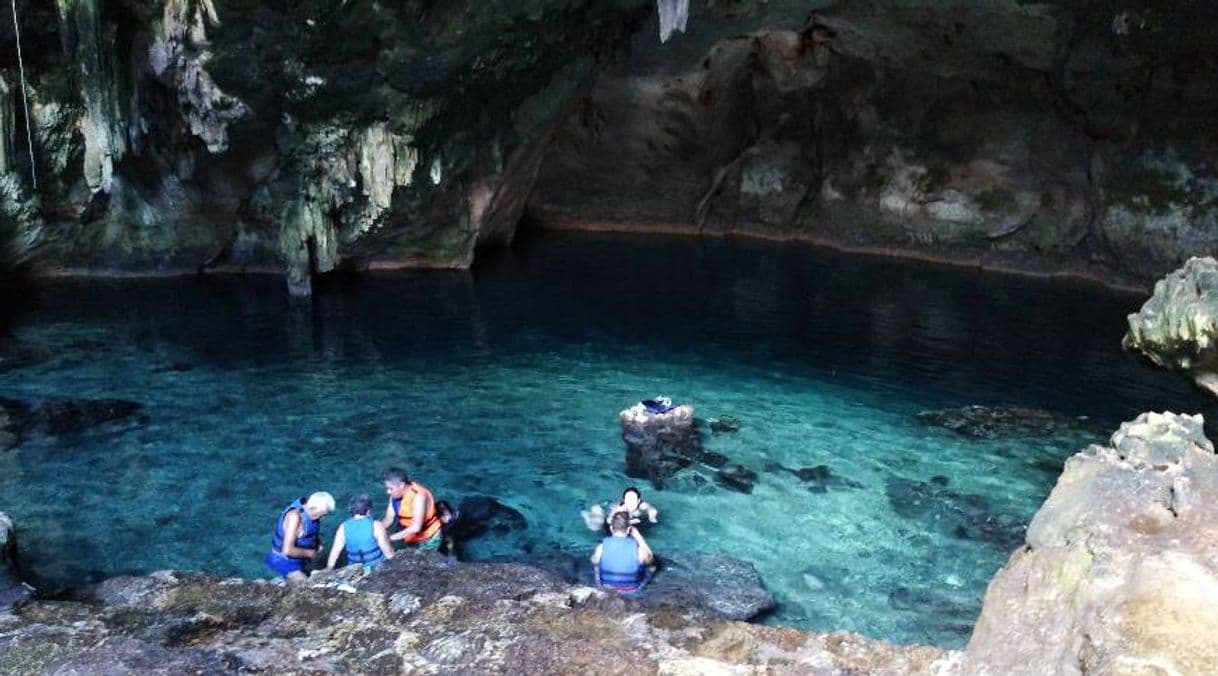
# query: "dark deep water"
{"type": "Point", "coordinates": [507, 382]}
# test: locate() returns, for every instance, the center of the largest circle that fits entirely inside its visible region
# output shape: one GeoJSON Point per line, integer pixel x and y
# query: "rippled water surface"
{"type": "Point", "coordinates": [507, 382]}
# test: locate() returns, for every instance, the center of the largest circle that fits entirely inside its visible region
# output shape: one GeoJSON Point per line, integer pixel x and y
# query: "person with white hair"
{"type": "Point", "coordinates": [297, 538]}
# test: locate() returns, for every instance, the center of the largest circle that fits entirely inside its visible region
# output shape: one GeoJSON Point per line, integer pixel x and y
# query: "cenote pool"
{"type": "Point", "coordinates": [507, 382]}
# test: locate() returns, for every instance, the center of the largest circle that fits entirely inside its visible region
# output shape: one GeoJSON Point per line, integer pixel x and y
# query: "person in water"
{"type": "Point", "coordinates": [623, 561]}
{"type": "Point", "coordinates": [632, 503]}
{"type": "Point", "coordinates": [413, 508]}
{"type": "Point", "coordinates": [635, 507]}
{"type": "Point", "coordinates": [363, 538]}
{"type": "Point", "coordinates": [297, 537]}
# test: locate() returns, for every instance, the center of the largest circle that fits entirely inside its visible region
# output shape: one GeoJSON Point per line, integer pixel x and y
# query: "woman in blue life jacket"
{"type": "Point", "coordinates": [362, 538]}
{"type": "Point", "coordinates": [297, 537]}
{"type": "Point", "coordinates": [623, 561]}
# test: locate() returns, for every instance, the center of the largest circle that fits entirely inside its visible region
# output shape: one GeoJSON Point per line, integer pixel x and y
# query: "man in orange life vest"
{"type": "Point", "coordinates": [413, 508]}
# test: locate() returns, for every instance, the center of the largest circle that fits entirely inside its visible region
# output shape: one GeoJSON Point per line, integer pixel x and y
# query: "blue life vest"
{"type": "Point", "coordinates": [361, 542]}
{"type": "Point", "coordinates": [619, 565]}
{"type": "Point", "coordinates": [312, 528]}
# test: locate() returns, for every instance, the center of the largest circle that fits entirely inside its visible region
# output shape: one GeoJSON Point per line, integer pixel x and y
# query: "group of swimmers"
{"type": "Point", "coordinates": [623, 561]}
{"type": "Point", "coordinates": [420, 520]}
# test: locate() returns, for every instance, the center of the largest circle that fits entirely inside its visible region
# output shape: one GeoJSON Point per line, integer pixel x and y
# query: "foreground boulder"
{"type": "Point", "coordinates": [1118, 574]}
{"type": "Point", "coordinates": [1178, 327]}
{"type": "Point", "coordinates": [478, 618]}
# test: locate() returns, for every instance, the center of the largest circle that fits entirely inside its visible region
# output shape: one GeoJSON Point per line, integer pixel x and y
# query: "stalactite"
{"type": "Point", "coordinates": [673, 15]}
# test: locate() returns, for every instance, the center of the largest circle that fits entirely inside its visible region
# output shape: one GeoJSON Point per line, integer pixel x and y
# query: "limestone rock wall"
{"type": "Point", "coordinates": [178, 135]}
{"type": "Point", "coordinates": [1047, 136]}
{"type": "Point", "coordinates": [1119, 573]}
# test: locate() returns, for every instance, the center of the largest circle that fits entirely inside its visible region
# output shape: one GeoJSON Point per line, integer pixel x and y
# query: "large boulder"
{"type": "Point", "coordinates": [1118, 574]}
{"type": "Point", "coordinates": [1178, 327]}
{"type": "Point", "coordinates": [659, 444]}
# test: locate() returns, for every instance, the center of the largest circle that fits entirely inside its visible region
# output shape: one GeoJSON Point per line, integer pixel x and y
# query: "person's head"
{"type": "Point", "coordinates": [319, 505]}
{"type": "Point", "coordinates": [619, 523]}
{"type": "Point", "coordinates": [360, 505]}
{"type": "Point", "coordinates": [631, 497]}
{"type": "Point", "coordinates": [396, 482]}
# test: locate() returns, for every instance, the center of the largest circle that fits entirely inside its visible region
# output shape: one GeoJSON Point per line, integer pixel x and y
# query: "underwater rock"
{"type": "Point", "coordinates": [714, 584]}
{"type": "Point", "coordinates": [659, 445]}
{"type": "Point", "coordinates": [13, 356]}
{"type": "Point", "coordinates": [736, 477]}
{"type": "Point", "coordinates": [1178, 327]}
{"type": "Point", "coordinates": [954, 612]}
{"type": "Point", "coordinates": [724, 425]}
{"type": "Point", "coordinates": [175, 367]}
{"type": "Point", "coordinates": [13, 417]}
{"type": "Point", "coordinates": [1118, 569]}
{"type": "Point", "coordinates": [992, 422]}
{"type": "Point", "coordinates": [961, 515]}
{"type": "Point", "coordinates": [712, 459]}
{"type": "Point", "coordinates": [821, 479]}
{"type": "Point", "coordinates": [12, 590]}
{"type": "Point", "coordinates": [69, 416]}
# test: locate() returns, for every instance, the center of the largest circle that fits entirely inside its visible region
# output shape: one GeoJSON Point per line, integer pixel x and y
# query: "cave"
{"type": "Point", "coordinates": [902, 314]}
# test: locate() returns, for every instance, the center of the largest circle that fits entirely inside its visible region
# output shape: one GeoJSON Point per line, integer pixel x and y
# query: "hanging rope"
{"type": "Point", "coordinates": [25, 97]}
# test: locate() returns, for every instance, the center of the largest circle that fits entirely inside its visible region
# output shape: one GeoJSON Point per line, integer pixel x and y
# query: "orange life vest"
{"type": "Point", "coordinates": [405, 510]}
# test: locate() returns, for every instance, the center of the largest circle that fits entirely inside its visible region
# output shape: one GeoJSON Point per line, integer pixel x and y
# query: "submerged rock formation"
{"type": "Point", "coordinates": [992, 422]}
{"type": "Point", "coordinates": [1118, 575]}
{"type": "Point", "coordinates": [1178, 327]}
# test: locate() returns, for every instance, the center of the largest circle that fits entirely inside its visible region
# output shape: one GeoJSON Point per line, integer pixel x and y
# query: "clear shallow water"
{"type": "Point", "coordinates": [507, 382]}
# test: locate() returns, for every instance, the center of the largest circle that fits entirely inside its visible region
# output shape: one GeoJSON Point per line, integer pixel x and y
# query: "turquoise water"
{"type": "Point", "coordinates": [507, 382]}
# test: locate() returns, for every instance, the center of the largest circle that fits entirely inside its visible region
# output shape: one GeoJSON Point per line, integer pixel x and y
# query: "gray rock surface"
{"type": "Point", "coordinates": [1119, 573]}
{"type": "Point", "coordinates": [417, 615]}
{"type": "Point", "coordinates": [1178, 327]}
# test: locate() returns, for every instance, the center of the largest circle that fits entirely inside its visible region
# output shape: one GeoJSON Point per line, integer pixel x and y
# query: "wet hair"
{"type": "Point", "coordinates": [321, 499]}
{"type": "Point", "coordinates": [397, 475]}
{"type": "Point", "coordinates": [632, 489]}
{"type": "Point", "coordinates": [360, 504]}
{"type": "Point", "coordinates": [619, 522]}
